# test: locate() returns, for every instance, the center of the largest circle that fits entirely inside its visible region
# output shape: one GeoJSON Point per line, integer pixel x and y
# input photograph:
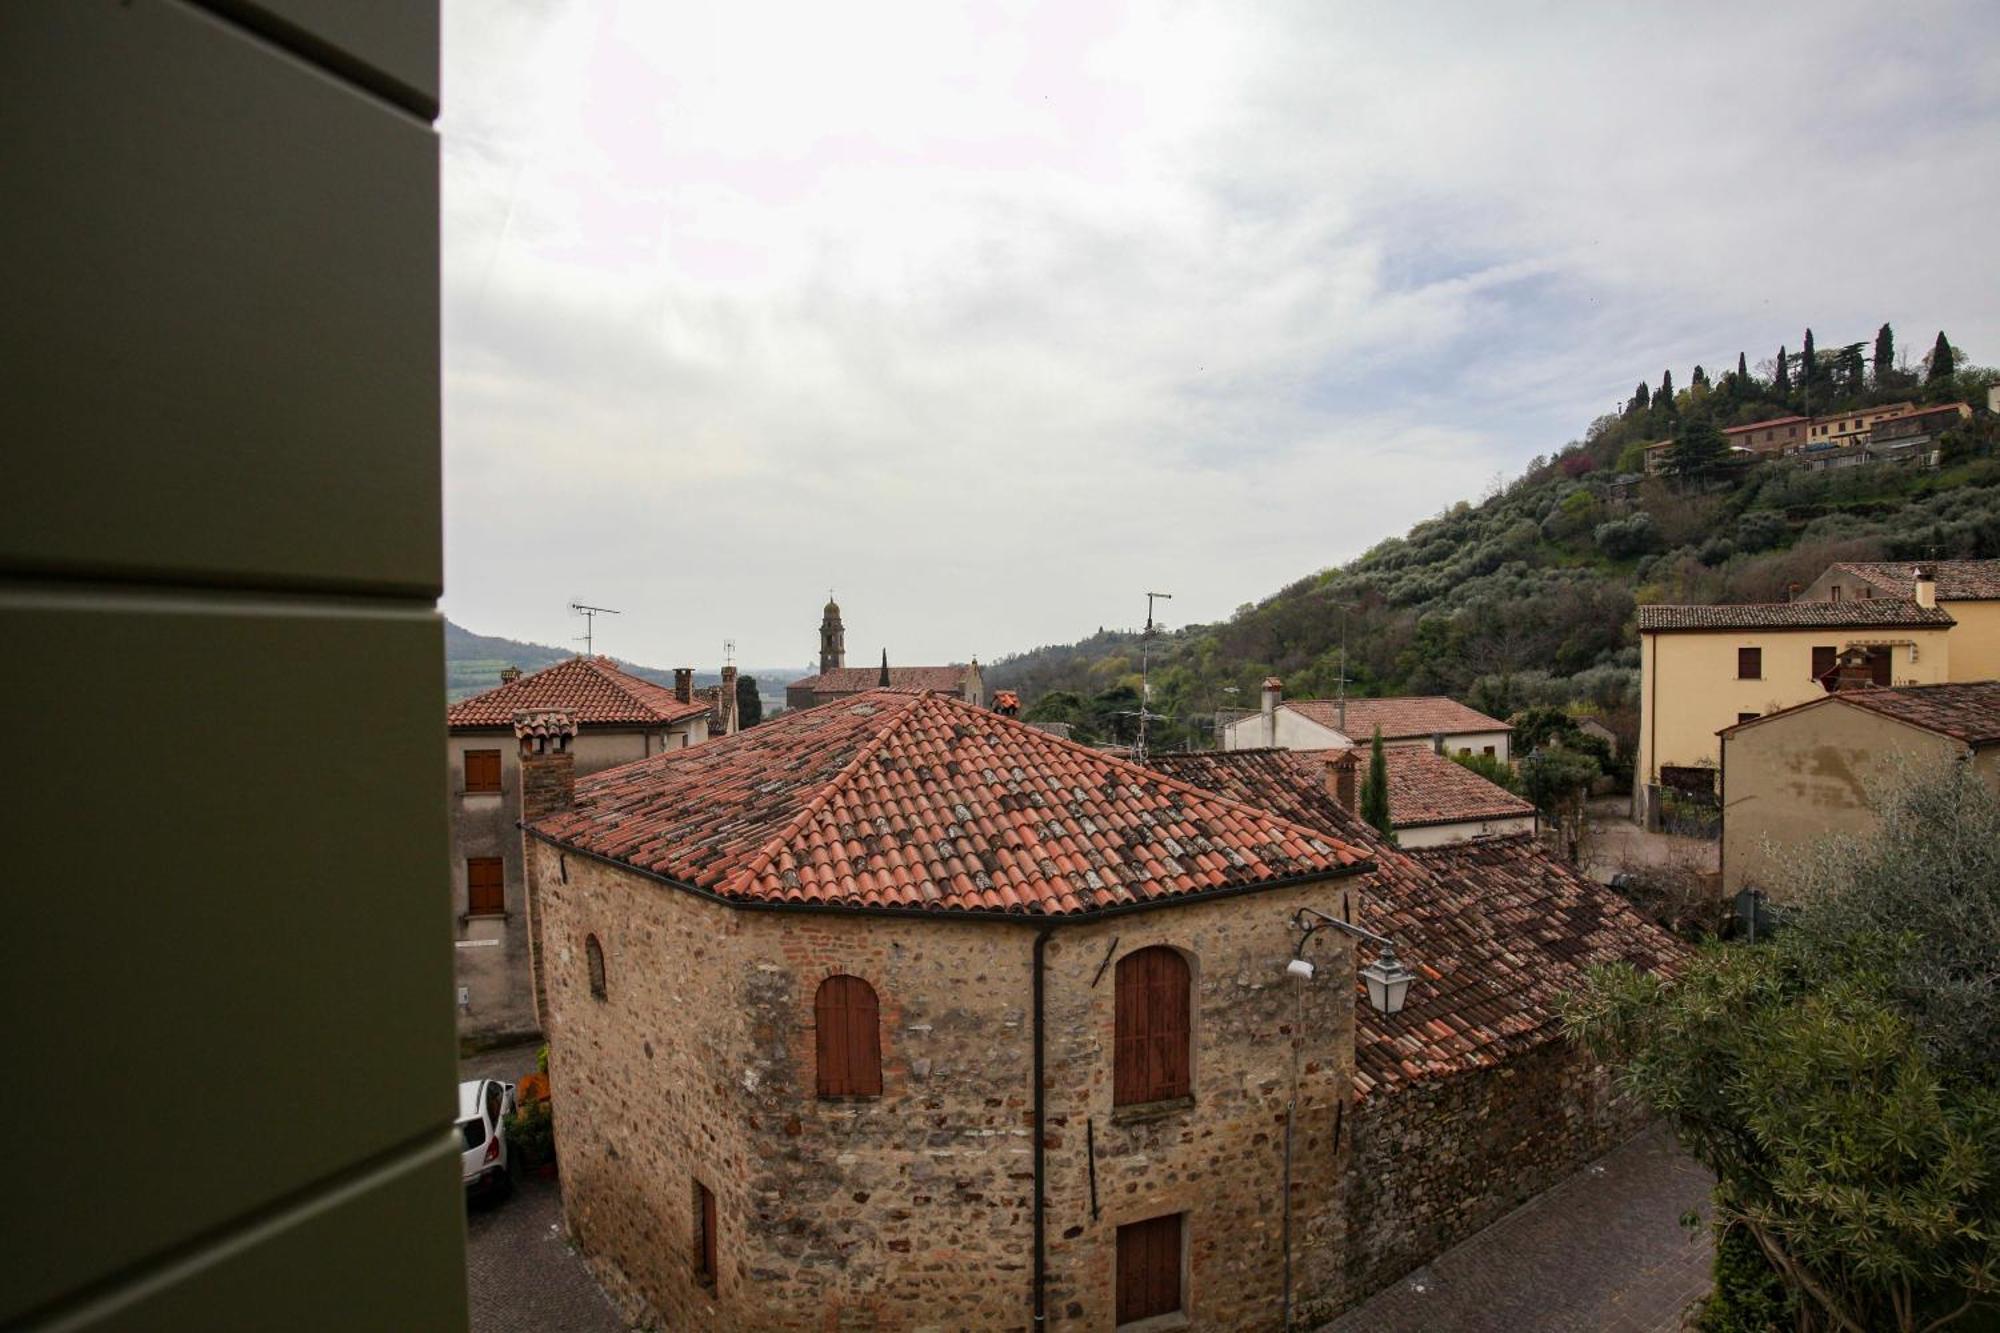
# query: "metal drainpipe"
{"type": "Point", "coordinates": [1041, 1107]}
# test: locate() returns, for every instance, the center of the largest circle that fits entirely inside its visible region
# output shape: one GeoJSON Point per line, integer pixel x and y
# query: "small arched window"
{"type": "Point", "coordinates": [593, 957]}
{"type": "Point", "coordinates": [847, 1025]}
{"type": "Point", "coordinates": [1150, 1045]}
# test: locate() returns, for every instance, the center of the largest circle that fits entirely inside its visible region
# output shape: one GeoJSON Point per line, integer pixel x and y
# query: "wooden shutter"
{"type": "Point", "coordinates": [482, 770]}
{"type": "Point", "coordinates": [1150, 1040]}
{"type": "Point", "coordinates": [1881, 664]}
{"type": "Point", "coordinates": [704, 1231]}
{"type": "Point", "coordinates": [1822, 659]}
{"type": "Point", "coordinates": [1149, 1268]}
{"type": "Point", "coordinates": [485, 885]}
{"type": "Point", "coordinates": [848, 1033]}
{"type": "Point", "coordinates": [1749, 663]}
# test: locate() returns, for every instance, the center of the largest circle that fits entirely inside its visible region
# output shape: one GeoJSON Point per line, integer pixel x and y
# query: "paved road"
{"type": "Point", "coordinates": [524, 1276]}
{"type": "Point", "coordinates": [1603, 1252]}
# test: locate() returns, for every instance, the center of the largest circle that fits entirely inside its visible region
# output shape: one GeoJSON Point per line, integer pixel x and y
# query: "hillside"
{"type": "Point", "coordinates": [472, 663]}
{"type": "Point", "coordinates": [1527, 596]}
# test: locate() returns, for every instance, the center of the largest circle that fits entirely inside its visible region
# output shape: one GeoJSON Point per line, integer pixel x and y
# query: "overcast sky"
{"type": "Point", "coordinates": [991, 318]}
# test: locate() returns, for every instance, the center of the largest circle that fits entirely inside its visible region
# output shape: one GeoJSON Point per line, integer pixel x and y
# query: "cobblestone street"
{"type": "Point", "coordinates": [1603, 1252]}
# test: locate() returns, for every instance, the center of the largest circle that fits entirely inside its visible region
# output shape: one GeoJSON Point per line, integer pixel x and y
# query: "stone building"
{"type": "Point", "coordinates": [1445, 725]}
{"type": "Point", "coordinates": [837, 680]}
{"type": "Point", "coordinates": [899, 1013]}
{"type": "Point", "coordinates": [1432, 799]}
{"type": "Point", "coordinates": [615, 717]}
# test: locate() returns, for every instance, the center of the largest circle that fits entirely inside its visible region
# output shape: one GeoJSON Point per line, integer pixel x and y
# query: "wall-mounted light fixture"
{"type": "Point", "coordinates": [1388, 980]}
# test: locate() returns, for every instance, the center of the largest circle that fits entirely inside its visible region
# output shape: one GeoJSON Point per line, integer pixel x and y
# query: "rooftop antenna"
{"type": "Point", "coordinates": [1145, 663]}
{"type": "Point", "coordinates": [590, 615]}
{"type": "Point", "coordinates": [729, 652]}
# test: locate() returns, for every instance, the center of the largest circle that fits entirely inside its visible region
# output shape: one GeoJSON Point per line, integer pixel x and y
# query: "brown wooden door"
{"type": "Point", "coordinates": [848, 1031]}
{"type": "Point", "coordinates": [1150, 1042]}
{"type": "Point", "coordinates": [1149, 1268]}
{"type": "Point", "coordinates": [1881, 666]}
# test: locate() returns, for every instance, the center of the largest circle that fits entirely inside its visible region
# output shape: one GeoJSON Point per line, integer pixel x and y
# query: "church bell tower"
{"type": "Point", "coordinates": [832, 638]}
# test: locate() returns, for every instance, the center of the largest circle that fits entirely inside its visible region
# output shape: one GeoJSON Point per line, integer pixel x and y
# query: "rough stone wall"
{"type": "Point", "coordinates": [1433, 1163]}
{"type": "Point", "coordinates": [914, 1210]}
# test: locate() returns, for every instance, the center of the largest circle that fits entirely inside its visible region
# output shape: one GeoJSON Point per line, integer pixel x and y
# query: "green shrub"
{"type": "Point", "coordinates": [1748, 1295]}
{"type": "Point", "coordinates": [531, 1133]}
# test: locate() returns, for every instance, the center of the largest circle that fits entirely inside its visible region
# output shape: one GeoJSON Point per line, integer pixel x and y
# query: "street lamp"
{"type": "Point", "coordinates": [1388, 980]}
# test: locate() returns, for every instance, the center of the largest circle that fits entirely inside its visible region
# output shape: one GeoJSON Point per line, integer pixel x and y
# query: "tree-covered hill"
{"type": "Point", "coordinates": [472, 663]}
{"type": "Point", "coordinates": [1526, 597]}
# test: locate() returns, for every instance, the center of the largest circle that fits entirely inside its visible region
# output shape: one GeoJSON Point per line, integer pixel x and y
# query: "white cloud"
{"type": "Point", "coordinates": [995, 317]}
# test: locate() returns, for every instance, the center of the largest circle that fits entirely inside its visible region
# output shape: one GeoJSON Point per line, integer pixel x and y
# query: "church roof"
{"type": "Point", "coordinates": [853, 680]}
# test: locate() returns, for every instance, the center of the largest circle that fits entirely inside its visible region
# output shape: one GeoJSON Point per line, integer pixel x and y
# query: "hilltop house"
{"type": "Point", "coordinates": [1968, 589]}
{"type": "Point", "coordinates": [1794, 776]}
{"type": "Point", "coordinates": [1704, 668]}
{"type": "Point", "coordinates": [1445, 725]}
{"type": "Point", "coordinates": [1432, 800]}
{"type": "Point", "coordinates": [1769, 439]}
{"type": "Point", "coordinates": [899, 1013]}
{"type": "Point", "coordinates": [611, 717]}
{"type": "Point", "coordinates": [837, 680]}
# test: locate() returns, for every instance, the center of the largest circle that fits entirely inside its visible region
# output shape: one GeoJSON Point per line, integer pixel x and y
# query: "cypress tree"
{"type": "Point", "coordinates": [1885, 355]}
{"type": "Point", "coordinates": [1943, 361]}
{"type": "Point", "coordinates": [1375, 790]}
{"type": "Point", "coordinates": [1783, 382]}
{"type": "Point", "coordinates": [1699, 449]}
{"type": "Point", "coordinates": [1808, 372]}
{"type": "Point", "coordinates": [1642, 398]}
{"type": "Point", "coordinates": [1699, 379]}
{"type": "Point", "coordinates": [1667, 386]}
{"type": "Point", "coordinates": [1742, 370]}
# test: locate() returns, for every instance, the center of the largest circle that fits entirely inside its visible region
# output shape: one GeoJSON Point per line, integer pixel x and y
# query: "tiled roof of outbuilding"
{"type": "Point", "coordinates": [592, 690]}
{"type": "Point", "coordinates": [1858, 613]}
{"type": "Point", "coordinates": [1400, 719]}
{"type": "Point", "coordinates": [854, 680]}
{"type": "Point", "coordinates": [1425, 788]}
{"type": "Point", "coordinates": [910, 800]}
{"type": "Point", "coordinates": [1496, 930]}
{"type": "Point", "coordinates": [1957, 580]}
{"type": "Point", "coordinates": [1968, 711]}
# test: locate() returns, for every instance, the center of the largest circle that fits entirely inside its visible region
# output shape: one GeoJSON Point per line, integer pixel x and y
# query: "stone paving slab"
{"type": "Point", "coordinates": [1602, 1252]}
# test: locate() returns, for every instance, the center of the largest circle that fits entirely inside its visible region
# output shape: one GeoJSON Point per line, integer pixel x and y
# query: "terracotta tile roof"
{"type": "Point", "coordinates": [904, 799]}
{"type": "Point", "coordinates": [544, 722]}
{"type": "Point", "coordinates": [1761, 425]}
{"type": "Point", "coordinates": [592, 690]}
{"type": "Point", "coordinates": [1400, 719]}
{"type": "Point", "coordinates": [1496, 930]}
{"type": "Point", "coordinates": [1857, 613]}
{"type": "Point", "coordinates": [1424, 788]}
{"type": "Point", "coordinates": [1968, 712]}
{"type": "Point", "coordinates": [854, 680]}
{"type": "Point", "coordinates": [1957, 580]}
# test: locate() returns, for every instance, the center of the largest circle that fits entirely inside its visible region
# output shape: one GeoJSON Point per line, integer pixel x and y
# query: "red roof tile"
{"type": "Point", "coordinates": [1400, 719]}
{"type": "Point", "coordinates": [1859, 613]}
{"type": "Point", "coordinates": [902, 799]}
{"type": "Point", "coordinates": [1761, 425]}
{"type": "Point", "coordinates": [856, 680]}
{"type": "Point", "coordinates": [1968, 711]}
{"type": "Point", "coordinates": [1957, 580]}
{"type": "Point", "coordinates": [1495, 928]}
{"type": "Point", "coordinates": [592, 690]}
{"type": "Point", "coordinates": [1424, 787]}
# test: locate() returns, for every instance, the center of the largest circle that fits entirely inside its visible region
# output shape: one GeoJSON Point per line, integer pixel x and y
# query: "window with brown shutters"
{"type": "Point", "coordinates": [704, 1234]}
{"type": "Point", "coordinates": [485, 885]}
{"type": "Point", "coordinates": [1149, 1269]}
{"type": "Point", "coordinates": [1749, 663]}
{"type": "Point", "coordinates": [1822, 661]}
{"type": "Point", "coordinates": [1881, 666]}
{"type": "Point", "coordinates": [593, 959]}
{"type": "Point", "coordinates": [848, 1032]}
{"type": "Point", "coordinates": [482, 771]}
{"type": "Point", "coordinates": [1150, 1042]}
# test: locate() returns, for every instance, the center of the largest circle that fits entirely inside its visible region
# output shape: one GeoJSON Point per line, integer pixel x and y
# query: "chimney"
{"type": "Point", "coordinates": [730, 726]}
{"type": "Point", "coordinates": [1340, 779]}
{"type": "Point", "coordinates": [1437, 742]}
{"type": "Point", "coordinates": [1792, 591]}
{"type": "Point", "coordinates": [684, 684]}
{"type": "Point", "coordinates": [1926, 585]}
{"type": "Point", "coordinates": [1274, 693]}
{"type": "Point", "coordinates": [548, 786]}
{"type": "Point", "coordinates": [1007, 703]}
{"type": "Point", "coordinates": [1852, 670]}
{"type": "Point", "coordinates": [509, 674]}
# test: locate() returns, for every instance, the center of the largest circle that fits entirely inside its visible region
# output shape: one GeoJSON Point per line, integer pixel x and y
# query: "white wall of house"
{"type": "Point", "coordinates": [1295, 731]}
{"type": "Point", "coordinates": [1436, 835]}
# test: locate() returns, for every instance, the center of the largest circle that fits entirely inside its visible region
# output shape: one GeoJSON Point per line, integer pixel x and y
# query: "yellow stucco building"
{"type": "Point", "coordinates": [1705, 668]}
{"type": "Point", "coordinates": [1968, 589]}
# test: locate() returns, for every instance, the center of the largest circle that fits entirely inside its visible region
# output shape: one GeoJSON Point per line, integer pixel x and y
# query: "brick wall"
{"type": "Point", "coordinates": [915, 1209]}
{"type": "Point", "coordinates": [1432, 1164]}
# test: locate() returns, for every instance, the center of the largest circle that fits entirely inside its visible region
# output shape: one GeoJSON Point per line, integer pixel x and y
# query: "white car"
{"type": "Point", "coordinates": [483, 1106]}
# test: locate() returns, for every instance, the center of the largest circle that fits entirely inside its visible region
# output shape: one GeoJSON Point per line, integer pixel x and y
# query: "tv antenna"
{"type": "Point", "coordinates": [590, 615]}
{"type": "Point", "coordinates": [1145, 662]}
{"type": "Point", "coordinates": [729, 652]}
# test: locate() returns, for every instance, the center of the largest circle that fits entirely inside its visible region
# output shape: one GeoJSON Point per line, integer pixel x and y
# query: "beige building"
{"type": "Point", "coordinates": [1704, 668]}
{"type": "Point", "coordinates": [897, 1013]}
{"type": "Point", "coordinates": [1854, 427]}
{"type": "Point", "coordinates": [1444, 725]}
{"type": "Point", "coordinates": [1769, 439]}
{"type": "Point", "coordinates": [1968, 589]}
{"type": "Point", "coordinates": [1432, 800]}
{"type": "Point", "coordinates": [1795, 776]}
{"type": "Point", "coordinates": [613, 717]}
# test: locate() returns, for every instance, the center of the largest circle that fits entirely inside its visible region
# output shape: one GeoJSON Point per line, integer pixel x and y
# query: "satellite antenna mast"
{"type": "Point", "coordinates": [1145, 664]}
{"type": "Point", "coordinates": [729, 651]}
{"type": "Point", "coordinates": [590, 615]}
